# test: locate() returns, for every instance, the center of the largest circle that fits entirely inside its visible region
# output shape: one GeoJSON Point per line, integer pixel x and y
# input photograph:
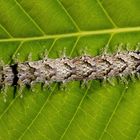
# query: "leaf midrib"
{"type": "Point", "coordinates": [82, 33]}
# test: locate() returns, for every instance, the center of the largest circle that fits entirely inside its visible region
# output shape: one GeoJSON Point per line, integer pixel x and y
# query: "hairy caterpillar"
{"type": "Point", "coordinates": [68, 69]}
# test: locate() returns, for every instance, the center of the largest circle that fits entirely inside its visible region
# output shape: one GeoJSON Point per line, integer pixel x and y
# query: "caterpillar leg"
{"type": "Point", "coordinates": [120, 48]}
{"type": "Point", "coordinates": [106, 80]}
{"type": "Point", "coordinates": [63, 84]}
{"type": "Point", "coordinates": [62, 53]}
{"type": "Point", "coordinates": [21, 91]}
{"type": "Point", "coordinates": [123, 80]}
{"type": "Point", "coordinates": [137, 46]}
{"type": "Point", "coordinates": [21, 87]}
{"type": "Point", "coordinates": [4, 90]}
{"type": "Point", "coordinates": [29, 57]}
{"type": "Point", "coordinates": [44, 55]}
{"type": "Point", "coordinates": [15, 58]}
{"type": "Point", "coordinates": [127, 47]}
{"type": "Point", "coordinates": [105, 50]}
{"type": "Point", "coordinates": [33, 88]}
{"type": "Point", "coordinates": [1, 63]}
{"type": "Point", "coordinates": [110, 81]}
{"type": "Point", "coordinates": [133, 77]}
{"type": "Point", "coordinates": [84, 83]}
{"type": "Point", "coordinates": [84, 51]}
{"type": "Point", "coordinates": [138, 75]}
{"type": "Point", "coordinates": [46, 85]}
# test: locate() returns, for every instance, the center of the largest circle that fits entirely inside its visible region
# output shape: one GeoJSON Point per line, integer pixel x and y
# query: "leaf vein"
{"type": "Point", "coordinates": [113, 113]}
{"type": "Point", "coordinates": [33, 21]}
{"type": "Point", "coordinates": [106, 13]}
{"type": "Point", "coordinates": [82, 33]}
{"type": "Point", "coordinates": [75, 113]}
{"type": "Point", "coordinates": [70, 17]}
{"type": "Point", "coordinates": [6, 31]}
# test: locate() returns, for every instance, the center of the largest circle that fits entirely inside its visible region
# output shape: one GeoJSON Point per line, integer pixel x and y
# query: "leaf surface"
{"type": "Point", "coordinates": [99, 112]}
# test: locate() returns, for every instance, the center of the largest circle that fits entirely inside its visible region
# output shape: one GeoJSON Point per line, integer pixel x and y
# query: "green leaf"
{"type": "Point", "coordinates": [95, 112]}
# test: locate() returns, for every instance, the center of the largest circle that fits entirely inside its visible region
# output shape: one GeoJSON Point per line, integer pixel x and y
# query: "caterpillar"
{"type": "Point", "coordinates": [68, 69]}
